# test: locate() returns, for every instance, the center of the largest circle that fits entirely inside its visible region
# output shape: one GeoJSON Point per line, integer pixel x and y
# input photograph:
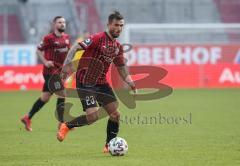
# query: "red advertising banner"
{"type": "Point", "coordinates": [21, 78]}
{"type": "Point", "coordinates": [191, 66]}
{"type": "Point", "coordinates": [183, 54]}
{"type": "Point", "coordinates": [187, 66]}
{"type": "Point", "coordinates": [224, 75]}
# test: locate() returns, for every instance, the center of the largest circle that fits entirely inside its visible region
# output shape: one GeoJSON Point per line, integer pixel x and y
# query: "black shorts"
{"type": "Point", "coordinates": [92, 96]}
{"type": "Point", "coordinates": [53, 83]}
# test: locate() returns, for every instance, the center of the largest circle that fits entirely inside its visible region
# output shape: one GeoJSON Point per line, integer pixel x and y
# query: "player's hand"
{"type": "Point", "coordinates": [66, 71]}
{"type": "Point", "coordinates": [64, 74]}
{"type": "Point", "coordinates": [49, 64]}
{"type": "Point", "coordinates": [133, 87]}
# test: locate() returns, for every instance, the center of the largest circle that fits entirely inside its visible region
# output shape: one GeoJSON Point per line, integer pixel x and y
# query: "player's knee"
{"type": "Point", "coordinates": [45, 96]}
{"type": "Point", "coordinates": [45, 99]}
{"type": "Point", "coordinates": [92, 116]}
{"type": "Point", "coordinates": [115, 105]}
{"type": "Point", "coordinates": [115, 116]}
{"type": "Point", "coordinates": [111, 108]}
{"type": "Point", "coordinates": [60, 94]}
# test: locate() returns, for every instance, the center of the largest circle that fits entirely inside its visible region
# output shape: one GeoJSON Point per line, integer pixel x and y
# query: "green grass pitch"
{"type": "Point", "coordinates": [187, 128]}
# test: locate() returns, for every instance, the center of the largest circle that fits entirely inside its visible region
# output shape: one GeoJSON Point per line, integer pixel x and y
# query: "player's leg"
{"type": "Point", "coordinates": [56, 86]}
{"type": "Point", "coordinates": [83, 120]}
{"type": "Point", "coordinates": [90, 117]}
{"type": "Point", "coordinates": [89, 103]}
{"type": "Point", "coordinates": [113, 122]}
{"type": "Point", "coordinates": [45, 97]}
{"type": "Point", "coordinates": [60, 105]}
{"type": "Point", "coordinates": [38, 104]}
{"type": "Point", "coordinates": [109, 103]}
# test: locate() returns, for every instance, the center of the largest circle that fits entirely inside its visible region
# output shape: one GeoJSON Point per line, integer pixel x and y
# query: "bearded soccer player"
{"type": "Point", "coordinates": [52, 51]}
{"type": "Point", "coordinates": [101, 50]}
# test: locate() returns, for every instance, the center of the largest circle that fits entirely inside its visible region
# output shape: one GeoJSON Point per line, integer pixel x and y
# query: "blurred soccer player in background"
{"type": "Point", "coordinates": [101, 50]}
{"type": "Point", "coordinates": [52, 51]}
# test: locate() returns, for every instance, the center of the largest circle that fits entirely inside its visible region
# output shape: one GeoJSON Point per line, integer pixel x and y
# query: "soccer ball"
{"type": "Point", "coordinates": [118, 146]}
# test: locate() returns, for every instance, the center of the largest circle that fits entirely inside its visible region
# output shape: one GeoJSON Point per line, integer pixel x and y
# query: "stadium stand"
{"type": "Point", "coordinates": [229, 10]}
{"type": "Point", "coordinates": [88, 16]}
{"type": "Point", "coordinates": [161, 11]}
{"type": "Point", "coordinates": [37, 17]}
{"type": "Point", "coordinates": [10, 26]}
{"type": "Point", "coordinates": [31, 19]}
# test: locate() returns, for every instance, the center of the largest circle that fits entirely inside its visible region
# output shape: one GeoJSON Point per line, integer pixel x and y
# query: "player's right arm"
{"type": "Point", "coordinates": [71, 53]}
{"type": "Point", "coordinates": [42, 58]}
{"type": "Point", "coordinates": [89, 43]}
{"type": "Point", "coordinates": [67, 65]}
{"type": "Point", "coordinates": [43, 46]}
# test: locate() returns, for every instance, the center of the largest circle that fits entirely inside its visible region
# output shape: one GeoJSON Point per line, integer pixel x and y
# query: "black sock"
{"type": "Point", "coordinates": [36, 107]}
{"type": "Point", "coordinates": [112, 130]}
{"type": "Point", "coordinates": [78, 122]}
{"type": "Point", "coordinates": [60, 109]}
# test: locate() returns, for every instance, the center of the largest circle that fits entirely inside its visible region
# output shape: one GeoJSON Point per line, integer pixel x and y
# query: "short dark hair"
{"type": "Point", "coordinates": [115, 15]}
{"type": "Point", "coordinates": [57, 17]}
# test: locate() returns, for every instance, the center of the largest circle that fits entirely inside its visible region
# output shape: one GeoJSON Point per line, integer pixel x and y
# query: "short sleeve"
{"type": "Point", "coordinates": [44, 44]}
{"type": "Point", "coordinates": [119, 60]}
{"type": "Point", "coordinates": [88, 43]}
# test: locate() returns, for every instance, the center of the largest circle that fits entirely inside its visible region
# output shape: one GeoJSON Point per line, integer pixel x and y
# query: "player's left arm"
{"type": "Point", "coordinates": [126, 77]}
{"type": "Point", "coordinates": [123, 71]}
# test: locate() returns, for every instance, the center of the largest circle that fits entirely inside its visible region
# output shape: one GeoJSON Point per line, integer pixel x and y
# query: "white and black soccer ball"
{"type": "Point", "coordinates": [118, 146]}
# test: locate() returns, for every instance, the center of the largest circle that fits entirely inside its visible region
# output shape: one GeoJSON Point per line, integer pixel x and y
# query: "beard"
{"type": "Point", "coordinates": [61, 30]}
{"type": "Point", "coordinates": [114, 35]}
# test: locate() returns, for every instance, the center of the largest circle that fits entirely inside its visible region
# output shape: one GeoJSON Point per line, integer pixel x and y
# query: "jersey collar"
{"type": "Point", "coordinates": [57, 35]}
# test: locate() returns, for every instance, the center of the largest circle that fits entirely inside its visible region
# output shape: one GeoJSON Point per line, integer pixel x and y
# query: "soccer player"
{"type": "Point", "coordinates": [101, 50]}
{"type": "Point", "coordinates": [52, 51]}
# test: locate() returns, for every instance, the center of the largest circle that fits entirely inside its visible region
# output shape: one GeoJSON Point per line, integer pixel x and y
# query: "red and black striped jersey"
{"type": "Point", "coordinates": [100, 52]}
{"type": "Point", "coordinates": [55, 49]}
